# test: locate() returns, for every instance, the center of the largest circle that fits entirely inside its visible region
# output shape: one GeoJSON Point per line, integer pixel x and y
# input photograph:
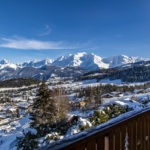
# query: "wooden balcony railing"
{"type": "Point", "coordinates": [128, 134]}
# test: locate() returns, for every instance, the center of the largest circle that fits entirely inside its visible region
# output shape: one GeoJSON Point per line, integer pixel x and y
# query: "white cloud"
{"type": "Point", "coordinates": [22, 43]}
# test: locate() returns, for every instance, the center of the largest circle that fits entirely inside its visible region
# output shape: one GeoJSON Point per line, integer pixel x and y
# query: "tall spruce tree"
{"type": "Point", "coordinates": [43, 113]}
{"type": "Point", "coordinates": [49, 109]}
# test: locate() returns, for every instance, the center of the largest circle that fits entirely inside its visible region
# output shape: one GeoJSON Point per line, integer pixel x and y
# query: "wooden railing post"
{"type": "Point", "coordinates": [106, 143]}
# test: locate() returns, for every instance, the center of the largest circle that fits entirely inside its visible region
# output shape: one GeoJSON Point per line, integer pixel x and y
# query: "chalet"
{"type": "Point", "coordinates": [23, 107]}
{"type": "Point", "coordinates": [82, 104]}
{"type": "Point", "coordinates": [11, 112]}
{"type": "Point", "coordinates": [107, 95]}
{"type": "Point", "coordinates": [139, 91]}
{"type": "Point", "coordinates": [147, 90]}
{"type": "Point", "coordinates": [2, 117]}
{"type": "Point", "coordinates": [117, 94]}
{"type": "Point", "coordinates": [134, 98]}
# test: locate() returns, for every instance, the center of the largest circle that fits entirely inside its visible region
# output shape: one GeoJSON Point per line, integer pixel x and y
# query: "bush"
{"type": "Point", "coordinates": [100, 117]}
{"type": "Point", "coordinates": [27, 142]}
{"type": "Point", "coordinates": [111, 111]}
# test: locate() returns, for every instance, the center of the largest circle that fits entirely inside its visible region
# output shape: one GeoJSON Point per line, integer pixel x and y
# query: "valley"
{"type": "Point", "coordinates": [113, 102]}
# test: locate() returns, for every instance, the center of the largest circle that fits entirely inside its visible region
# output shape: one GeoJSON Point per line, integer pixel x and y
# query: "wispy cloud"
{"type": "Point", "coordinates": [47, 31]}
{"type": "Point", "coordinates": [28, 44]}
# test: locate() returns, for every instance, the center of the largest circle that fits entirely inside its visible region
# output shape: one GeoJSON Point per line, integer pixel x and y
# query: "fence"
{"type": "Point", "coordinates": [129, 134]}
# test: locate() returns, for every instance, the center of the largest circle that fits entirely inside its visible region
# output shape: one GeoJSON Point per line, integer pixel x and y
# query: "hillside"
{"type": "Point", "coordinates": [135, 72]}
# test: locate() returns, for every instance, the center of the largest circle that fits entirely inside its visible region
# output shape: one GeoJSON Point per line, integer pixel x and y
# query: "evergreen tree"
{"type": "Point", "coordinates": [43, 113]}
{"type": "Point", "coordinates": [49, 109]}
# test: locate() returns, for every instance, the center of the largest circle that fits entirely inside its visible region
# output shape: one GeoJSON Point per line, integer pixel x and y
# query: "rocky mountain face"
{"type": "Point", "coordinates": [43, 73]}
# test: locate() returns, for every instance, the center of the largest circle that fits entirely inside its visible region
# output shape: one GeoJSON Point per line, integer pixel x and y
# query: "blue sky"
{"type": "Point", "coordinates": [38, 29]}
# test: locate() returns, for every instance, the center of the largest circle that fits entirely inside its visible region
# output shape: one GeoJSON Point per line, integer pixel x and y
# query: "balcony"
{"type": "Point", "coordinates": [132, 133]}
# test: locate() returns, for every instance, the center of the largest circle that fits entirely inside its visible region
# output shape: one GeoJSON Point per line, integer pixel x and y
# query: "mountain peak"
{"type": "Point", "coordinates": [3, 61]}
{"type": "Point", "coordinates": [119, 60]}
{"type": "Point", "coordinates": [81, 59]}
{"type": "Point", "coordinates": [5, 64]}
{"type": "Point", "coordinates": [37, 64]}
{"type": "Point", "coordinates": [91, 61]}
{"type": "Point", "coordinates": [81, 54]}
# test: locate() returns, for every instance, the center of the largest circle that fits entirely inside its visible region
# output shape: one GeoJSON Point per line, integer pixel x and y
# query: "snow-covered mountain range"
{"type": "Point", "coordinates": [37, 64]}
{"type": "Point", "coordinates": [81, 62]}
{"type": "Point", "coordinates": [90, 61]}
{"type": "Point", "coordinates": [120, 60]}
{"type": "Point", "coordinates": [87, 61]}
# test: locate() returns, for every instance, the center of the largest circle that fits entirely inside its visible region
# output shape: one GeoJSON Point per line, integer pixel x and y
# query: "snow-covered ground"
{"type": "Point", "coordinates": [10, 130]}
{"type": "Point", "coordinates": [94, 82]}
{"type": "Point", "coordinates": [18, 88]}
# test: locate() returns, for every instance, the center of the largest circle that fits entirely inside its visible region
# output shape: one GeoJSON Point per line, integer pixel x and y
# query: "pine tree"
{"type": "Point", "coordinates": [43, 114]}
{"type": "Point", "coordinates": [49, 109]}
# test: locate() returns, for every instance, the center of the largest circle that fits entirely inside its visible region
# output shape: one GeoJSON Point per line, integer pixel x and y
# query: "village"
{"type": "Point", "coordinates": [16, 105]}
